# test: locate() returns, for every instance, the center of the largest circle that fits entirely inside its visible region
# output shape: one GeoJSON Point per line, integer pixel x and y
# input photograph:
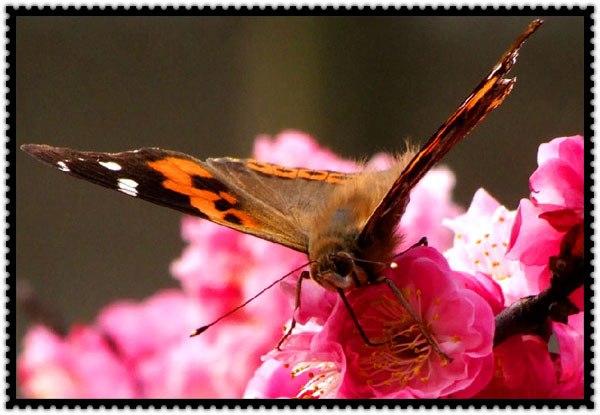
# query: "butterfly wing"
{"type": "Point", "coordinates": [264, 200]}
{"type": "Point", "coordinates": [488, 95]}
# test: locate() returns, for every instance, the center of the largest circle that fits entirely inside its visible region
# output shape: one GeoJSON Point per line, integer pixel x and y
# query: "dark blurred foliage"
{"type": "Point", "coordinates": [208, 86]}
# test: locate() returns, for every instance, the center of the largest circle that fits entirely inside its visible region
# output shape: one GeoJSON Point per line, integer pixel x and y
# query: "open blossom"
{"type": "Point", "coordinates": [308, 367]}
{"type": "Point", "coordinates": [460, 321]}
{"type": "Point", "coordinates": [406, 366]}
{"type": "Point", "coordinates": [569, 366]}
{"type": "Point", "coordinates": [481, 241]}
{"type": "Point", "coordinates": [522, 369]}
{"type": "Point", "coordinates": [556, 207]}
{"type": "Point", "coordinates": [166, 363]}
{"type": "Point", "coordinates": [557, 184]}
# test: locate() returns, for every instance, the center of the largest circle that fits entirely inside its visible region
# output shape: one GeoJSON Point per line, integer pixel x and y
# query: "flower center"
{"type": "Point", "coordinates": [404, 353]}
{"type": "Point", "coordinates": [323, 378]}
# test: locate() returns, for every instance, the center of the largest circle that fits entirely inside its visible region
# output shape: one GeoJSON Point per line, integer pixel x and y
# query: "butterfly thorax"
{"type": "Point", "coordinates": [339, 259]}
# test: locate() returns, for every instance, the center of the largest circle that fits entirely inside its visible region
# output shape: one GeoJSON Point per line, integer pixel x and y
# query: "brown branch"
{"type": "Point", "coordinates": [531, 314]}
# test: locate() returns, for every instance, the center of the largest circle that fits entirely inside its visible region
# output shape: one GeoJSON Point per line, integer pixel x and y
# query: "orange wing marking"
{"type": "Point", "coordinates": [217, 206]}
{"type": "Point", "coordinates": [308, 174]}
{"type": "Point", "coordinates": [337, 177]}
{"type": "Point", "coordinates": [264, 168]}
{"type": "Point", "coordinates": [285, 172]}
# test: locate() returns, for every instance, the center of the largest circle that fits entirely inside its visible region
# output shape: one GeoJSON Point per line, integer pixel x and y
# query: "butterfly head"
{"type": "Point", "coordinates": [335, 270]}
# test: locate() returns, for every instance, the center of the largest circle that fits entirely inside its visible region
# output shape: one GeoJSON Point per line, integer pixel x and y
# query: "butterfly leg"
{"type": "Point", "coordinates": [414, 316]}
{"type": "Point", "coordinates": [303, 276]}
{"type": "Point", "coordinates": [355, 320]}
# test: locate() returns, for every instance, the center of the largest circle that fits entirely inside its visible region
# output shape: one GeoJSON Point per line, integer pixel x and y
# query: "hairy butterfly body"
{"type": "Point", "coordinates": [344, 222]}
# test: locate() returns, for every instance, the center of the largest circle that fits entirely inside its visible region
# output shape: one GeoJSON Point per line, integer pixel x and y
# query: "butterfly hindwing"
{"type": "Point", "coordinates": [261, 199]}
{"type": "Point", "coordinates": [290, 194]}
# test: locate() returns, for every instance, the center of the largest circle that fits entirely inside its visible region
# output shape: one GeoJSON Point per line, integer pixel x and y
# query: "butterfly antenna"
{"type": "Point", "coordinates": [202, 329]}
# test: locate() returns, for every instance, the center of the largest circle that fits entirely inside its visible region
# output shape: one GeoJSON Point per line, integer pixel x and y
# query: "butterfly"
{"type": "Point", "coordinates": [345, 222]}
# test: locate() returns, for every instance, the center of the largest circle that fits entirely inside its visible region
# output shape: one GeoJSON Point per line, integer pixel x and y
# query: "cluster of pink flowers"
{"type": "Point", "coordinates": [492, 257]}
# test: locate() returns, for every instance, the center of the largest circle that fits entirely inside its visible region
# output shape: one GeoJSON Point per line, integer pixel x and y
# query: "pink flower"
{"type": "Point", "coordinates": [481, 239]}
{"type": "Point", "coordinates": [533, 241]}
{"type": "Point", "coordinates": [295, 149]}
{"type": "Point", "coordinates": [82, 365]}
{"type": "Point", "coordinates": [459, 320]}
{"type": "Point", "coordinates": [308, 367]}
{"type": "Point", "coordinates": [222, 268]}
{"type": "Point", "coordinates": [407, 366]}
{"type": "Point", "coordinates": [557, 184]}
{"type": "Point", "coordinates": [522, 370]}
{"type": "Point", "coordinates": [431, 204]}
{"type": "Point", "coordinates": [569, 366]}
{"type": "Point", "coordinates": [556, 206]}
{"type": "Point", "coordinates": [141, 329]}
{"type": "Point", "coordinates": [525, 369]}
{"type": "Point", "coordinates": [139, 350]}
{"type": "Point", "coordinates": [215, 367]}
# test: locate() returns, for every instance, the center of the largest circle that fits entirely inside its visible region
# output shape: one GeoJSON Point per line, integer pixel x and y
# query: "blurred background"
{"type": "Point", "coordinates": [209, 85]}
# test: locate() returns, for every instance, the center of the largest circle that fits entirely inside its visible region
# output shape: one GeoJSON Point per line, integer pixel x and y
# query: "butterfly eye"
{"type": "Point", "coordinates": [344, 264]}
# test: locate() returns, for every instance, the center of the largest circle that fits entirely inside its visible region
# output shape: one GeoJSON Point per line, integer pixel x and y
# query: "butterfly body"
{"type": "Point", "coordinates": [334, 238]}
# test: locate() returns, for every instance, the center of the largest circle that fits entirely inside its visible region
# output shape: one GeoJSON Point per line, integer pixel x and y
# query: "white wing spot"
{"type": "Point", "coordinates": [110, 165]}
{"type": "Point", "coordinates": [128, 187]}
{"type": "Point", "coordinates": [62, 166]}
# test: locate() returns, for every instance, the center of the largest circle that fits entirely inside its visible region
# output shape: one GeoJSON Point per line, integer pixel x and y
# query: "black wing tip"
{"type": "Point", "coordinates": [531, 29]}
{"type": "Point", "coordinates": [34, 149]}
{"type": "Point", "coordinates": [535, 24]}
{"type": "Point", "coordinates": [43, 152]}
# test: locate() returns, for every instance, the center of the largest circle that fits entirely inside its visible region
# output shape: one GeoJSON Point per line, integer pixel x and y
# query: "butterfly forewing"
{"type": "Point", "coordinates": [261, 199]}
{"type": "Point", "coordinates": [488, 95]}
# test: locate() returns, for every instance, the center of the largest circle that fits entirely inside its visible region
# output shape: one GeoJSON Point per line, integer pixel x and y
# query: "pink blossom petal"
{"type": "Point", "coordinates": [460, 320]}
{"type": "Point", "coordinates": [480, 244]}
{"type": "Point", "coordinates": [523, 370]}
{"type": "Point", "coordinates": [569, 149]}
{"type": "Point", "coordinates": [430, 203]}
{"type": "Point", "coordinates": [533, 241]}
{"type": "Point", "coordinates": [309, 366]}
{"type": "Point", "coordinates": [295, 149]}
{"type": "Point", "coordinates": [82, 365]}
{"type": "Point", "coordinates": [140, 329]}
{"type": "Point", "coordinates": [557, 184]}
{"type": "Point", "coordinates": [562, 220]}
{"type": "Point", "coordinates": [272, 380]}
